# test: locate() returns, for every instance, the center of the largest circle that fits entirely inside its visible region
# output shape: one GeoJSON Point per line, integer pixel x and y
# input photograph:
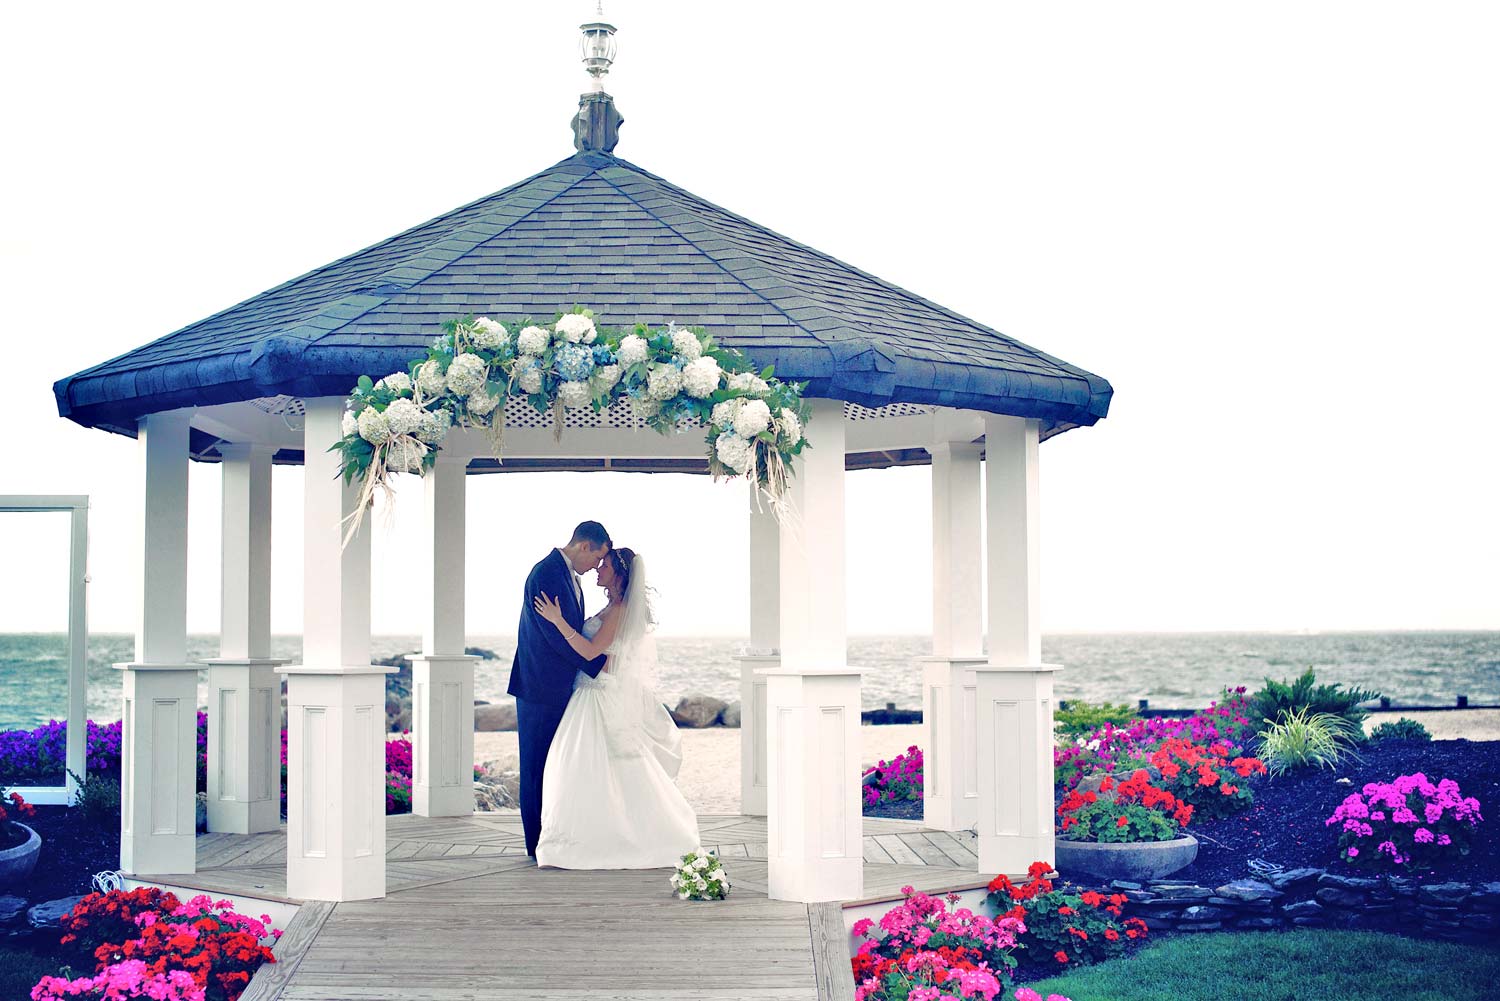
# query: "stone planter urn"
{"type": "Point", "coordinates": [1137, 862]}
{"type": "Point", "coordinates": [16, 863]}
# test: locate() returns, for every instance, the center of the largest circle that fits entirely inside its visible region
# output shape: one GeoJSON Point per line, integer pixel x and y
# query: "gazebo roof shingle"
{"type": "Point", "coordinates": [593, 230]}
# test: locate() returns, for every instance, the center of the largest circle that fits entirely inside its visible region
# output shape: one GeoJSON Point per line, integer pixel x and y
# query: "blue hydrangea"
{"type": "Point", "coordinates": [575, 362]}
{"type": "Point", "coordinates": [603, 355]}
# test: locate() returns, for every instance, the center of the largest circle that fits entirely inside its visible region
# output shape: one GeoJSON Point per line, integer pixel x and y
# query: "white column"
{"type": "Point", "coordinates": [244, 691]}
{"type": "Point", "coordinates": [812, 699]}
{"type": "Point", "coordinates": [158, 804]}
{"type": "Point", "coordinates": [335, 697]}
{"type": "Point", "coordinates": [442, 703]}
{"type": "Point", "coordinates": [1015, 687]}
{"type": "Point", "coordinates": [763, 652]}
{"type": "Point", "coordinates": [949, 685]}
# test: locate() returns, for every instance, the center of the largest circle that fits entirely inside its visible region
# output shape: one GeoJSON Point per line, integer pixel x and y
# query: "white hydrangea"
{"type": "Point", "coordinates": [396, 382]}
{"type": "Point", "coordinates": [686, 344]}
{"type": "Point", "coordinates": [735, 452]}
{"type": "Point", "coordinates": [482, 402]}
{"type": "Point", "coordinates": [633, 350]}
{"type": "Point", "coordinates": [605, 377]}
{"type": "Point", "coordinates": [748, 382]}
{"type": "Point", "coordinates": [791, 427]}
{"type": "Point", "coordinates": [723, 414]}
{"type": "Point", "coordinates": [529, 375]}
{"type": "Point", "coordinates": [574, 395]}
{"type": "Point", "coordinates": [533, 340]}
{"type": "Point", "coordinates": [664, 382]}
{"type": "Point", "coordinates": [403, 416]}
{"type": "Point", "coordinates": [430, 378]}
{"type": "Point", "coordinates": [646, 408]}
{"type": "Point", "coordinates": [405, 455]}
{"type": "Point", "coordinates": [373, 427]}
{"type": "Point", "coordinates": [350, 424]}
{"type": "Point", "coordinates": [434, 427]}
{"type": "Point", "coordinates": [753, 418]}
{"type": "Point", "coordinates": [700, 378]}
{"type": "Point", "coordinates": [576, 327]}
{"type": "Point", "coordinates": [488, 334]}
{"type": "Point", "coordinates": [466, 373]}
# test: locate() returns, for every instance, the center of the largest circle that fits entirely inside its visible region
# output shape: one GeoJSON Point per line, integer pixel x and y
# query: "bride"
{"type": "Point", "coordinates": [608, 799]}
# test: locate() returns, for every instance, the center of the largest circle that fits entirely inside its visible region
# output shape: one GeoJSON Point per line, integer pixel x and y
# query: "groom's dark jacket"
{"type": "Point", "coordinates": [545, 663]}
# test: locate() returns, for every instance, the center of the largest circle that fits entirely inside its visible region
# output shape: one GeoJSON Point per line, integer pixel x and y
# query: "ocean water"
{"type": "Point", "coordinates": [1173, 670]}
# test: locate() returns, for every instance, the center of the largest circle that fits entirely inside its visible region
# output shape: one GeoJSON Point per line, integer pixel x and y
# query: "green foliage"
{"type": "Point", "coordinates": [1402, 729]}
{"type": "Point", "coordinates": [98, 800]}
{"type": "Point", "coordinates": [1279, 699]}
{"type": "Point", "coordinates": [1281, 966]}
{"type": "Point", "coordinates": [25, 961]}
{"type": "Point", "coordinates": [1081, 717]}
{"type": "Point", "coordinates": [1302, 739]}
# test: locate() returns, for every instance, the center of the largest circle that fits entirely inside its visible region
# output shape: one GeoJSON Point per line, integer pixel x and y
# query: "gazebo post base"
{"type": "Point", "coordinates": [1015, 767]}
{"type": "Point", "coordinates": [442, 710]}
{"type": "Point", "coordinates": [753, 731]}
{"type": "Point", "coordinates": [336, 782]}
{"type": "Point", "coordinates": [815, 826]}
{"type": "Point", "coordinates": [950, 795]}
{"type": "Point", "coordinates": [159, 759]}
{"type": "Point", "coordinates": [244, 745]}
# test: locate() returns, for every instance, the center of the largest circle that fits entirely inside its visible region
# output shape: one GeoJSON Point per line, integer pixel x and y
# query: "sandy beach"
{"type": "Point", "coordinates": [710, 776]}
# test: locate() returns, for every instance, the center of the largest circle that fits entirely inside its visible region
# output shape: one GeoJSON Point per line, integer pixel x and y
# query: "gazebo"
{"type": "Point", "coordinates": [893, 379]}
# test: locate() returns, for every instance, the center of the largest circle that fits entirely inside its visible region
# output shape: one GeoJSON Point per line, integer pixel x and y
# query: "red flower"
{"type": "Point", "coordinates": [1091, 897]}
{"type": "Point", "coordinates": [1111, 935]}
{"type": "Point", "coordinates": [1060, 956]}
{"type": "Point", "coordinates": [1121, 821]}
{"type": "Point", "coordinates": [1065, 910]}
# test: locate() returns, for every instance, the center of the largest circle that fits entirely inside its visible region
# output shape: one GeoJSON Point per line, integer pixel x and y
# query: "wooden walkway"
{"type": "Point", "coordinates": [468, 917]}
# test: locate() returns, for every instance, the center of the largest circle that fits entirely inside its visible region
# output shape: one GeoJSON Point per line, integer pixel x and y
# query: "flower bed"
{"type": "Point", "coordinates": [1407, 822]}
{"type": "Point", "coordinates": [896, 781]}
{"type": "Point", "coordinates": [928, 952]}
{"type": "Point", "coordinates": [146, 943]}
{"type": "Point", "coordinates": [1063, 925]}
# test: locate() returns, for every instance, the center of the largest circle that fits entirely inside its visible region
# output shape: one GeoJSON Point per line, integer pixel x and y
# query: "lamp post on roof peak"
{"type": "Point", "coordinates": [597, 48]}
{"type": "Point", "coordinates": [596, 127]}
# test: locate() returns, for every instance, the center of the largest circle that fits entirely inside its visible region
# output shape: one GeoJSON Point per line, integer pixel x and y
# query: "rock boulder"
{"type": "Point", "coordinates": [489, 719]}
{"type": "Point", "coordinates": [698, 711]}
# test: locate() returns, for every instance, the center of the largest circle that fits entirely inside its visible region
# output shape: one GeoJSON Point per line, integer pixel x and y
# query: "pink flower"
{"type": "Point", "coordinates": [863, 926]}
{"type": "Point", "coordinates": [1353, 851]}
{"type": "Point", "coordinates": [923, 994]}
{"type": "Point", "coordinates": [1027, 994]}
{"type": "Point", "coordinates": [1422, 836]}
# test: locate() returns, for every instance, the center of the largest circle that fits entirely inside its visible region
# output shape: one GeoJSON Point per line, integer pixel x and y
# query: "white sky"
{"type": "Point", "coordinates": [1271, 226]}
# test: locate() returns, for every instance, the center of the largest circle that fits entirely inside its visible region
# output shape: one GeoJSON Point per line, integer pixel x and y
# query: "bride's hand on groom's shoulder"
{"type": "Point", "coordinates": [548, 608]}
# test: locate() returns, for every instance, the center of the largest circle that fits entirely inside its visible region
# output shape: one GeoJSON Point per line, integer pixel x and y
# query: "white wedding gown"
{"type": "Point", "coordinates": [608, 796]}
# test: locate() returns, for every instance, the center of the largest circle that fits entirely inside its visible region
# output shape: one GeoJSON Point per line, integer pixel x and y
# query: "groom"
{"type": "Point", "coordinates": [541, 677]}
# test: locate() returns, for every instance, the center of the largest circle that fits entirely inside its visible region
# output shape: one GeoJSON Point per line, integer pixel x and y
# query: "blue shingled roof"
{"type": "Point", "coordinates": [599, 231]}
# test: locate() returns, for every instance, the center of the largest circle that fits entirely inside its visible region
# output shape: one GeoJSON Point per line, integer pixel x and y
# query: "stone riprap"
{"type": "Point", "coordinates": [1316, 898]}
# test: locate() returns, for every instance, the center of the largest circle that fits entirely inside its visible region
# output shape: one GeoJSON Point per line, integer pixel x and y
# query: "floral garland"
{"type": "Point", "coordinates": [672, 376]}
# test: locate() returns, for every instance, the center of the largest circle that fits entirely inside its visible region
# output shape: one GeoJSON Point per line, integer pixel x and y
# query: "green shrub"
{"type": "Point", "coordinates": [1081, 717]}
{"type": "Point", "coordinates": [1304, 738]}
{"type": "Point", "coordinates": [98, 800]}
{"type": "Point", "coordinates": [1402, 729]}
{"type": "Point", "coordinates": [1279, 699]}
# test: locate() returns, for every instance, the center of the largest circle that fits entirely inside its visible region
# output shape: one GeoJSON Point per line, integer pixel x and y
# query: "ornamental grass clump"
{"type": "Point", "coordinates": [1063, 927]}
{"type": "Point", "coordinates": [895, 781]}
{"type": "Point", "coordinates": [1410, 823]}
{"type": "Point", "coordinates": [927, 951]}
{"type": "Point", "coordinates": [1122, 812]}
{"type": "Point", "coordinates": [1301, 739]}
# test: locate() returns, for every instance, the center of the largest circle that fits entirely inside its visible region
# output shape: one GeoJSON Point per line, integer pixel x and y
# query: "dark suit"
{"type": "Point", "coordinates": [541, 679]}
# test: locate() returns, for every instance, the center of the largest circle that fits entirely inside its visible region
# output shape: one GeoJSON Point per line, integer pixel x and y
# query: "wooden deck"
{"type": "Point", "coordinates": [468, 917]}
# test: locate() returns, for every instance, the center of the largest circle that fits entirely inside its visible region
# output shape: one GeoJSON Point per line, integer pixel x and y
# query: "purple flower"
{"type": "Point", "coordinates": [1422, 836]}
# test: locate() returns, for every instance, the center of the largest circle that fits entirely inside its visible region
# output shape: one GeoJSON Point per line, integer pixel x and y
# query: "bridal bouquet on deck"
{"type": "Point", "coordinates": [672, 376]}
{"type": "Point", "coordinates": [700, 876]}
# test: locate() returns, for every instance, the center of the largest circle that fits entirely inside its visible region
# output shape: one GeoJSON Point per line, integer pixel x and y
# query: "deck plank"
{"type": "Point", "coordinates": [830, 942]}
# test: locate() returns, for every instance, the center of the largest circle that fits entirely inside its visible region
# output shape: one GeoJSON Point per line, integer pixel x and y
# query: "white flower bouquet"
{"type": "Point", "coordinates": [673, 376]}
{"type": "Point", "coordinates": [700, 876]}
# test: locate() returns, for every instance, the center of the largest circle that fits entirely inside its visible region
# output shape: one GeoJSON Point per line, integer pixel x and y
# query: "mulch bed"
{"type": "Point", "coordinates": [1285, 824]}
{"type": "Point", "coordinates": [71, 853]}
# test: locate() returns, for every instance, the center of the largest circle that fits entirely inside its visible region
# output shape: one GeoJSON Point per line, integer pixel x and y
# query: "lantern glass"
{"type": "Point", "coordinates": [597, 46]}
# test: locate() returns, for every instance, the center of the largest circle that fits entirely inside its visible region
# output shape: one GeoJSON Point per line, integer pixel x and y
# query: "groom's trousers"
{"type": "Point", "coordinates": [536, 724]}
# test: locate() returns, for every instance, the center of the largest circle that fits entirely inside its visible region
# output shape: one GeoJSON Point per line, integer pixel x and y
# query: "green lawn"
{"type": "Point", "coordinates": [1289, 966]}
{"type": "Point", "coordinates": [21, 968]}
